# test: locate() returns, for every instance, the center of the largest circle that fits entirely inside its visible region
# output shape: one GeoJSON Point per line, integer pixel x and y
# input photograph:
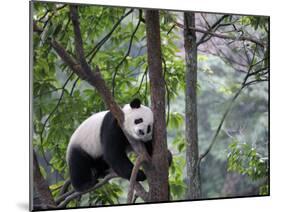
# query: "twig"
{"type": "Point", "coordinates": [144, 74]}
{"type": "Point", "coordinates": [73, 86]}
{"type": "Point", "coordinates": [238, 38]}
{"type": "Point", "coordinates": [212, 28]}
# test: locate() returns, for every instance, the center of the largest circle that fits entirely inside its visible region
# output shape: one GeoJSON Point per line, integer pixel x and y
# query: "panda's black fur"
{"type": "Point", "coordinates": [85, 170]}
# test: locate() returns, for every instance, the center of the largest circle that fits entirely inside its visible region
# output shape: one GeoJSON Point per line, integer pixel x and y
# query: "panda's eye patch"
{"type": "Point", "coordinates": [138, 121]}
{"type": "Point", "coordinates": [148, 129]}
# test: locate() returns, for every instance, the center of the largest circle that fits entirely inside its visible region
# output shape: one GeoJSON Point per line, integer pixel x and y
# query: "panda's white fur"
{"type": "Point", "coordinates": [87, 135]}
{"type": "Point", "coordinates": [131, 114]}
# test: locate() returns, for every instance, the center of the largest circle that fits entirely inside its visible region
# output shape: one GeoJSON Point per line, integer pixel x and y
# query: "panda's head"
{"type": "Point", "coordinates": [138, 120]}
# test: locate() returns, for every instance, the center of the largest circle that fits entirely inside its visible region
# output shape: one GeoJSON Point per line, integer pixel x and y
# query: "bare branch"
{"type": "Point", "coordinates": [133, 178]}
{"type": "Point", "coordinates": [63, 196]}
{"type": "Point", "coordinates": [227, 37]}
{"type": "Point", "coordinates": [212, 28]}
{"type": "Point", "coordinates": [140, 192]}
{"type": "Point", "coordinates": [75, 195]}
{"type": "Point", "coordinates": [65, 187]}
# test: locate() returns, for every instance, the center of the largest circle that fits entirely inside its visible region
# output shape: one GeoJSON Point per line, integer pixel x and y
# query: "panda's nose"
{"type": "Point", "coordinates": [141, 132]}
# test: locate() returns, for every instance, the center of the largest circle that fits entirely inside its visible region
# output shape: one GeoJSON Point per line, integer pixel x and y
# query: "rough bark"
{"type": "Point", "coordinates": [158, 175]}
{"type": "Point", "coordinates": [191, 133]}
{"type": "Point", "coordinates": [41, 186]}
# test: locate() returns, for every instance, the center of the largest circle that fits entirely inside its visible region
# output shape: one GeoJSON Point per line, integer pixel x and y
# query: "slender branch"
{"type": "Point", "coordinates": [126, 55]}
{"type": "Point", "coordinates": [227, 37]}
{"type": "Point", "coordinates": [144, 74]}
{"type": "Point", "coordinates": [75, 195]}
{"type": "Point", "coordinates": [140, 192]}
{"type": "Point", "coordinates": [73, 86]}
{"type": "Point", "coordinates": [65, 187]}
{"type": "Point", "coordinates": [243, 85]}
{"type": "Point", "coordinates": [48, 118]}
{"type": "Point", "coordinates": [212, 28]}
{"type": "Point", "coordinates": [94, 51]}
{"type": "Point", "coordinates": [220, 125]}
{"type": "Point", "coordinates": [63, 196]}
{"type": "Point", "coordinates": [133, 178]}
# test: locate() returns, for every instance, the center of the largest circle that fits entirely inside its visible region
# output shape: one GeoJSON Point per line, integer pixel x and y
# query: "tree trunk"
{"type": "Point", "coordinates": [158, 181]}
{"type": "Point", "coordinates": [41, 186]}
{"type": "Point", "coordinates": [191, 133]}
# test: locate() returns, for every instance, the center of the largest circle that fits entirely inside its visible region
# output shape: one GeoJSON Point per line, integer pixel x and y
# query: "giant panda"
{"type": "Point", "coordinates": [99, 145]}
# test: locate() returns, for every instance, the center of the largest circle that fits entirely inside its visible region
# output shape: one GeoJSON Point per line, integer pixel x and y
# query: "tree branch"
{"type": "Point", "coordinates": [94, 51]}
{"type": "Point", "coordinates": [127, 54]}
{"type": "Point", "coordinates": [48, 118]}
{"type": "Point", "coordinates": [240, 38]}
{"type": "Point", "coordinates": [243, 85]}
{"type": "Point", "coordinates": [202, 39]}
{"type": "Point", "coordinates": [133, 178]}
{"type": "Point", "coordinates": [227, 37]}
{"type": "Point", "coordinates": [75, 195]}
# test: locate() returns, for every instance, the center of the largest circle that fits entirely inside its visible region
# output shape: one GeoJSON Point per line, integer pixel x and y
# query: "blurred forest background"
{"type": "Point", "coordinates": [232, 95]}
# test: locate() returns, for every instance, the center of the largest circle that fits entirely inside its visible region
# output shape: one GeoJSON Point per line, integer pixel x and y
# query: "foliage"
{"type": "Point", "coordinates": [244, 159]}
{"type": "Point", "coordinates": [62, 101]}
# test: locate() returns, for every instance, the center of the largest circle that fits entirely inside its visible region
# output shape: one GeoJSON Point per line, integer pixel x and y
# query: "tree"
{"type": "Point", "coordinates": [192, 154]}
{"type": "Point", "coordinates": [203, 79]}
{"type": "Point", "coordinates": [156, 169]}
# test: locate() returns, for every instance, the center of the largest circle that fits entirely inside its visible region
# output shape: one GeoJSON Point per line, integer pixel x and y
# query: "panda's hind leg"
{"type": "Point", "coordinates": [83, 174]}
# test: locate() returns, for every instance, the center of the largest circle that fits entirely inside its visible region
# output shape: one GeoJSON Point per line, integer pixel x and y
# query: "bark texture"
{"type": "Point", "coordinates": [158, 181]}
{"type": "Point", "coordinates": [41, 186]}
{"type": "Point", "coordinates": [193, 175]}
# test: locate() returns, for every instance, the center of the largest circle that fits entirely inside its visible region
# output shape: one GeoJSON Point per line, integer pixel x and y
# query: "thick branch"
{"type": "Point", "coordinates": [94, 78]}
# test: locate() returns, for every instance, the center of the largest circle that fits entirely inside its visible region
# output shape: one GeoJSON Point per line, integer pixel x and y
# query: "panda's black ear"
{"type": "Point", "coordinates": [135, 103]}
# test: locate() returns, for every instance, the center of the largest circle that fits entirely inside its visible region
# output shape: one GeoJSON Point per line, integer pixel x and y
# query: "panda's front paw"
{"type": "Point", "coordinates": [141, 176]}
